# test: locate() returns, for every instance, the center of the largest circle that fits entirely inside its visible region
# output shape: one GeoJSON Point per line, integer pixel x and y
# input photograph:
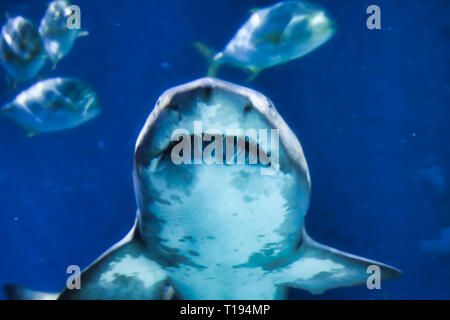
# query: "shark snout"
{"type": "Point", "coordinates": [192, 123]}
{"type": "Point", "coordinates": [203, 107]}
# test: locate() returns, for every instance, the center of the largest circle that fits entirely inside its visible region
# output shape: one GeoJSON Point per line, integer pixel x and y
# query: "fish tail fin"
{"type": "Point", "coordinates": [204, 50]}
{"type": "Point", "coordinates": [16, 292]}
{"type": "Point", "coordinates": [320, 268]}
{"type": "Point", "coordinates": [213, 69]}
{"type": "Point", "coordinates": [208, 54]}
{"type": "Point", "coordinates": [253, 73]}
{"type": "Point", "coordinates": [124, 272]}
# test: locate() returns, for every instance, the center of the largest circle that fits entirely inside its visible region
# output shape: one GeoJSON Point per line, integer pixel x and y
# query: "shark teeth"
{"type": "Point", "coordinates": [235, 150]}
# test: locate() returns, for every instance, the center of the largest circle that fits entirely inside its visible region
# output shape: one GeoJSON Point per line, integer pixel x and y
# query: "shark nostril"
{"type": "Point", "coordinates": [174, 107]}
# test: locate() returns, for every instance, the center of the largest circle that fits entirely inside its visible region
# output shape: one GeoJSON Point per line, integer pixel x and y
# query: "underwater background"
{"type": "Point", "coordinates": [370, 107]}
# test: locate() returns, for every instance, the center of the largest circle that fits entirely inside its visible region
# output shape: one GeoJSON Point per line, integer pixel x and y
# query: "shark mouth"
{"type": "Point", "coordinates": [229, 150]}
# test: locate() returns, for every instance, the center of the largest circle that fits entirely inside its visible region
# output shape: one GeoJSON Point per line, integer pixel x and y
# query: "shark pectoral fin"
{"type": "Point", "coordinates": [15, 292]}
{"type": "Point", "coordinates": [124, 272]}
{"type": "Point", "coordinates": [320, 268]}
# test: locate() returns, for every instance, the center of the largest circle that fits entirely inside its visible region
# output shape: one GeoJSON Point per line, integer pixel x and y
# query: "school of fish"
{"type": "Point", "coordinates": [48, 105]}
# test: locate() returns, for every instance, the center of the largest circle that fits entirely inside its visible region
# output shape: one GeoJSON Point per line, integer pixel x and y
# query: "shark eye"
{"type": "Point", "coordinates": [247, 108]}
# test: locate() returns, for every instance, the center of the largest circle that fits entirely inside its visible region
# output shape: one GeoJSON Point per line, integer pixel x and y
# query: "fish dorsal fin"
{"type": "Point", "coordinates": [204, 50]}
{"type": "Point", "coordinates": [320, 268]}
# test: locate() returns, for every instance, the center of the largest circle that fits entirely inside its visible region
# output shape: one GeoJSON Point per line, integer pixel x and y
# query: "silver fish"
{"type": "Point", "coordinates": [58, 39]}
{"type": "Point", "coordinates": [21, 49]}
{"type": "Point", "coordinates": [215, 231]}
{"type": "Point", "coordinates": [52, 105]}
{"type": "Point", "coordinates": [282, 32]}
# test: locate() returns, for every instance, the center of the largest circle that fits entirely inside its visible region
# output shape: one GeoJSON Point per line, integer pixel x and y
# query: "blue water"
{"type": "Point", "coordinates": [370, 107]}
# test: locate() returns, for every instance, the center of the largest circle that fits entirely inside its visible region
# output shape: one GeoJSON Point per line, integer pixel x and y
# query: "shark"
{"type": "Point", "coordinates": [216, 230]}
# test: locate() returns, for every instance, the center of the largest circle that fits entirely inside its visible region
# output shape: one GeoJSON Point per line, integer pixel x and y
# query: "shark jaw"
{"type": "Point", "coordinates": [214, 147]}
{"type": "Point", "coordinates": [219, 107]}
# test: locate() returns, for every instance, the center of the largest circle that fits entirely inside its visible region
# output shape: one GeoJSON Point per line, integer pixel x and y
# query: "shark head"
{"type": "Point", "coordinates": [244, 206]}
